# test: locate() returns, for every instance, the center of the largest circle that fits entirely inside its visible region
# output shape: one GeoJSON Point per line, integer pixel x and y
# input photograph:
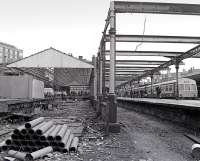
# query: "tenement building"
{"type": "Point", "coordinates": [9, 53]}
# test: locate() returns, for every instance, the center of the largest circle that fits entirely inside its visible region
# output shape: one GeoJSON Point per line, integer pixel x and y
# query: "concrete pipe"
{"type": "Point", "coordinates": [24, 131]}
{"type": "Point", "coordinates": [14, 137]}
{"type": "Point", "coordinates": [53, 143]}
{"type": "Point", "coordinates": [44, 128]}
{"type": "Point", "coordinates": [31, 143]}
{"type": "Point", "coordinates": [54, 133]}
{"type": "Point", "coordinates": [24, 142]}
{"type": "Point", "coordinates": [8, 141]}
{"type": "Point", "coordinates": [17, 142]}
{"type": "Point", "coordinates": [27, 148]}
{"type": "Point", "coordinates": [2, 143]}
{"type": "Point", "coordinates": [27, 137]}
{"type": "Point", "coordinates": [46, 134]}
{"type": "Point", "coordinates": [30, 131]}
{"type": "Point", "coordinates": [33, 123]}
{"type": "Point", "coordinates": [65, 139]}
{"type": "Point", "coordinates": [35, 137]}
{"type": "Point", "coordinates": [38, 126]}
{"type": "Point", "coordinates": [61, 133]}
{"type": "Point", "coordinates": [21, 137]}
{"type": "Point", "coordinates": [14, 147]}
{"type": "Point", "coordinates": [74, 144]}
{"type": "Point", "coordinates": [5, 148]}
{"type": "Point", "coordinates": [18, 130]}
{"type": "Point", "coordinates": [45, 143]}
{"type": "Point", "coordinates": [196, 151]}
{"type": "Point", "coordinates": [34, 149]}
{"type": "Point", "coordinates": [69, 141]}
{"type": "Point", "coordinates": [39, 153]}
{"type": "Point", "coordinates": [16, 154]}
{"type": "Point", "coordinates": [38, 143]}
{"type": "Point", "coordinates": [10, 159]}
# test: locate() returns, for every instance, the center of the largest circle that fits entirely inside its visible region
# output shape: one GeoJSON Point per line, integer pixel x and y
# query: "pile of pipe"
{"type": "Point", "coordinates": [38, 138]}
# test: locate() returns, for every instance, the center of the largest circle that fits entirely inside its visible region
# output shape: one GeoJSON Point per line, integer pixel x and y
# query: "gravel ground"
{"type": "Point", "coordinates": [142, 137]}
{"type": "Point", "coordinates": [158, 140]}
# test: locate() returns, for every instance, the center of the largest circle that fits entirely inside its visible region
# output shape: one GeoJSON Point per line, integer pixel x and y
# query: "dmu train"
{"type": "Point", "coordinates": [187, 89]}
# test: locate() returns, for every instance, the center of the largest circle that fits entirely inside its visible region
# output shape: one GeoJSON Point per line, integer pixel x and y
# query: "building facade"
{"type": "Point", "coordinates": [9, 53]}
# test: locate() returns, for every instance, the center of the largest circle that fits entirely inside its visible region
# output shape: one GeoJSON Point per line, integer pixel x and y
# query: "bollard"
{"type": "Point", "coordinates": [67, 146]}
{"type": "Point", "coordinates": [16, 154]}
{"type": "Point", "coordinates": [44, 128]}
{"type": "Point", "coordinates": [54, 132]}
{"type": "Point", "coordinates": [39, 153]}
{"type": "Point", "coordinates": [33, 123]}
{"type": "Point", "coordinates": [61, 133]}
{"type": "Point", "coordinates": [74, 144]}
{"type": "Point", "coordinates": [65, 139]}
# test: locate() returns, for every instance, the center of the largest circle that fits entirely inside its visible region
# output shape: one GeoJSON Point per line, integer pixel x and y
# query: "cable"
{"type": "Point", "coordinates": [144, 28]}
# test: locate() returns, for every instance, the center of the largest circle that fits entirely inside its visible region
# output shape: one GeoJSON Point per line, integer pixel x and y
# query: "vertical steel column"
{"type": "Point", "coordinates": [138, 82]}
{"type": "Point", "coordinates": [95, 78]}
{"type": "Point", "coordinates": [112, 33]}
{"type": "Point", "coordinates": [151, 84]}
{"type": "Point", "coordinates": [100, 72]}
{"type": "Point", "coordinates": [103, 70]}
{"type": "Point", "coordinates": [99, 112]}
{"type": "Point", "coordinates": [177, 87]}
{"type": "Point", "coordinates": [4, 56]}
{"type": "Point", "coordinates": [97, 65]}
{"type": "Point", "coordinates": [112, 98]}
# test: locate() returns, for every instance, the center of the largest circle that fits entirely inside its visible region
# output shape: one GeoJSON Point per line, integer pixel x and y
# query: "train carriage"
{"type": "Point", "coordinates": [187, 89]}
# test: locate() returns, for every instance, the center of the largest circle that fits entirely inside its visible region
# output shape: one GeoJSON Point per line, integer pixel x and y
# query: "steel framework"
{"type": "Point", "coordinates": [111, 69]}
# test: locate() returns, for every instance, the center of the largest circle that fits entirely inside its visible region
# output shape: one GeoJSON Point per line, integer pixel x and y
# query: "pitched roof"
{"type": "Point", "coordinates": [50, 58]}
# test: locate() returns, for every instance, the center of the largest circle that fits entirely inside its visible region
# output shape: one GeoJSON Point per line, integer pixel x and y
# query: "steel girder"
{"type": "Point", "coordinates": [187, 54]}
{"type": "Point", "coordinates": [155, 39]}
{"type": "Point", "coordinates": [145, 53]}
{"type": "Point", "coordinates": [156, 8]}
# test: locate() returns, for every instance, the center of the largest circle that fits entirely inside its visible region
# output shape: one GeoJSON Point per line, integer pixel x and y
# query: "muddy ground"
{"type": "Point", "coordinates": [142, 137]}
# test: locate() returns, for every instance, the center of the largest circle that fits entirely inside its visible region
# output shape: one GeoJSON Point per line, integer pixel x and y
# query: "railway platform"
{"type": "Point", "coordinates": [181, 111]}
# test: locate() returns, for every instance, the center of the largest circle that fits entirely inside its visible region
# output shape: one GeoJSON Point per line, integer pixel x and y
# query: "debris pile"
{"type": "Point", "coordinates": [38, 138]}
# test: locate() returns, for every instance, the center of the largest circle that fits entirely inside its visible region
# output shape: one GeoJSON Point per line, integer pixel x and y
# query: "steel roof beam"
{"type": "Point", "coordinates": [155, 39]}
{"type": "Point", "coordinates": [137, 62]}
{"type": "Point", "coordinates": [188, 54]}
{"type": "Point", "coordinates": [127, 70]}
{"type": "Point", "coordinates": [128, 73]}
{"type": "Point", "coordinates": [132, 67]}
{"type": "Point", "coordinates": [156, 8]}
{"type": "Point", "coordinates": [145, 53]}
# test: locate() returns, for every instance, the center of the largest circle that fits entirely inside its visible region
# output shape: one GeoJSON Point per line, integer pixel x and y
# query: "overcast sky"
{"type": "Point", "coordinates": [75, 26]}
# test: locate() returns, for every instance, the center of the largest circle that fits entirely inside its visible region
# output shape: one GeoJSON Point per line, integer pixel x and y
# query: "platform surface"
{"type": "Point", "coordinates": [173, 102]}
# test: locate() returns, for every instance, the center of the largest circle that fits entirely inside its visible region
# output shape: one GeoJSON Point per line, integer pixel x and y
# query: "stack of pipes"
{"type": "Point", "coordinates": [39, 137]}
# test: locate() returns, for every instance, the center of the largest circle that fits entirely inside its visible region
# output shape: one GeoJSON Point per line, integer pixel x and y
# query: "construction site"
{"type": "Point", "coordinates": [116, 105]}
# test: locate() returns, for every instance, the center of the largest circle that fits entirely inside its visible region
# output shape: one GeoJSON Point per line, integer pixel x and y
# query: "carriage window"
{"type": "Point", "coordinates": [181, 87]}
{"type": "Point", "coordinates": [193, 87]}
{"type": "Point", "coordinates": [167, 88]}
{"type": "Point", "coordinates": [187, 87]}
{"type": "Point", "coordinates": [170, 87]}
